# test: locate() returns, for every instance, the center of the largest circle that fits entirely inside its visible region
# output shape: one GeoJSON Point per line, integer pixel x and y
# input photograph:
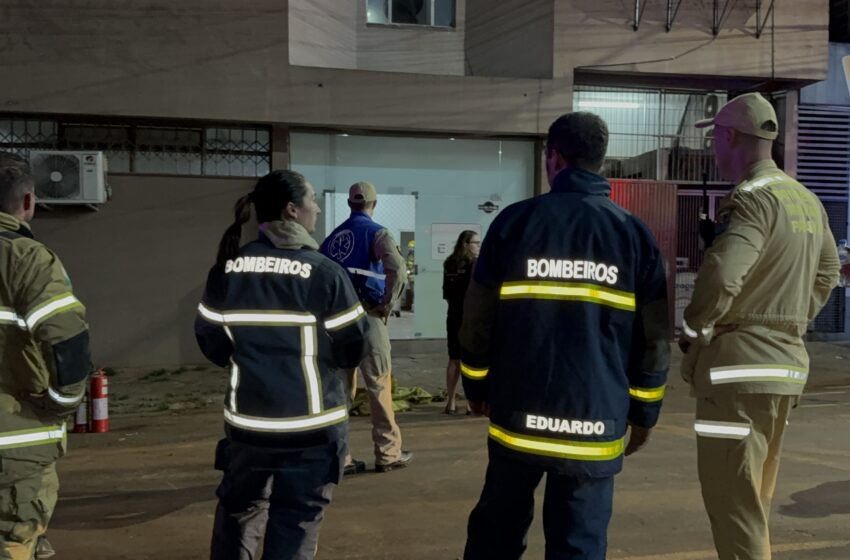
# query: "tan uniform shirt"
{"type": "Point", "coordinates": [766, 276]}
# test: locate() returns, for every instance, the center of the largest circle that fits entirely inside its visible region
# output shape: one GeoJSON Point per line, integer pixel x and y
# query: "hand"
{"type": "Point", "coordinates": [479, 408]}
{"type": "Point", "coordinates": [382, 311]}
{"type": "Point", "coordinates": [637, 438]}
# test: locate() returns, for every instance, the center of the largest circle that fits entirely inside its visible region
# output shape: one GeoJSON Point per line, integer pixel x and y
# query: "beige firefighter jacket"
{"type": "Point", "coordinates": [44, 347]}
{"type": "Point", "coordinates": [765, 278]}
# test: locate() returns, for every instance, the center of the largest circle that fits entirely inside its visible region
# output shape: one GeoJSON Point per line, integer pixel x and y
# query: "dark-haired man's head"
{"type": "Point", "coordinates": [17, 196]}
{"type": "Point", "coordinates": [576, 140]}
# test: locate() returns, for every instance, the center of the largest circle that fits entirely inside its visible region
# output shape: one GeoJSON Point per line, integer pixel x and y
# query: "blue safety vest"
{"type": "Point", "coordinates": [350, 245]}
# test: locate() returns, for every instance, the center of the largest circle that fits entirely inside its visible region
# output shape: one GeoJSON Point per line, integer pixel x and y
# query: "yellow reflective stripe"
{"type": "Point", "coordinates": [345, 318]}
{"type": "Point", "coordinates": [569, 291]}
{"type": "Point", "coordinates": [648, 395]}
{"type": "Point", "coordinates": [53, 306]}
{"type": "Point", "coordinates": [473, 373]}
{"type": "Point", "coordinates": [34, 436]}
{"type": "Point", "coordinates": [579, 450]}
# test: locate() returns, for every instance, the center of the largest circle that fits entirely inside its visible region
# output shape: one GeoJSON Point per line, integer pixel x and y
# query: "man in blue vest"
{"type": "Point", "coordinates": [376, 268]}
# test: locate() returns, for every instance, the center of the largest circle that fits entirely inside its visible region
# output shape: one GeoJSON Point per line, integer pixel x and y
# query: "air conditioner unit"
{"type": "Point", "coordinates": [69, 177]}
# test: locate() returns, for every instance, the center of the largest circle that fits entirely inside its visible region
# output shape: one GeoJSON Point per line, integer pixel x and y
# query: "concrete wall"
{"type": "Point", "coordinates": [211, 59]}
{"type": "Point", "coordinates": [334, 34]}
{"type": "Point", "coordinates": [140, 263]}
{"type": "Point", "coordinates": [510, 38]}
{"type": "Point", "coordinates": [833, 90]}
{"type": "Point", "coordinates": [599, 34]}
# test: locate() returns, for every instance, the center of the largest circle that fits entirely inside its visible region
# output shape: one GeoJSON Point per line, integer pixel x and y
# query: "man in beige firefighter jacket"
{"type": "Point", "coordinates": [43, 369]}
{"type": "Point", "coordinates": [768, 273]}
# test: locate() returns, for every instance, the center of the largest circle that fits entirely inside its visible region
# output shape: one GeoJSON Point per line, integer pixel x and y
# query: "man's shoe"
{"type": "Point", "coordinates": [43, 548]}
{"type": "Point", "coordinates": [356, 467]}
{"type": "Point", "coordinates": [405, 459]}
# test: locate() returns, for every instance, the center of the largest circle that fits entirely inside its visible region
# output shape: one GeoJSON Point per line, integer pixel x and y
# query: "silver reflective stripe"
{"type": "Point", "coordinates": [63, 400]}
{"type": "Point", "coordinates": [234, 372]}
{"type": "Point", "coordinates": [691, 333]}
{"type": "Point", "coordinates": [314, 392]}
{"type": "Point", "coordinates": [300, 424]}
{"type": "Point", "coordinates": [723, 430]}
{"type": "Point", "coordinates": [12, 318]}
{"type": "Point", "coordinates": [363, 272]}
{"type": "Point", "coordinates": [719, 376]}
{"type": "Point", "coordinates": [26, 438]}
{"type": "Point", "coordinates": [274, 318]}
{"type": "Point", "coordinates": [345, 318]}
{"type": "Point", "coordinates": [210, 315]}
{"type": "Point", "coordinates": [62, 304]}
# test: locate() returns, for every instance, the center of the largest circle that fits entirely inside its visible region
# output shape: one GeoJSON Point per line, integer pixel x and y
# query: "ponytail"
{"type": "Point", "coordinates": [228, 248]}
{"type": "Point", "coordinates": [270, 196]}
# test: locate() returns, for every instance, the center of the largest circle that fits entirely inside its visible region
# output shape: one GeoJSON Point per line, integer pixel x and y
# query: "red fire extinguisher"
{"type": "Point", "coordinates": [99, 403]}
{"type": "Point", "coordinates": [81, 416]}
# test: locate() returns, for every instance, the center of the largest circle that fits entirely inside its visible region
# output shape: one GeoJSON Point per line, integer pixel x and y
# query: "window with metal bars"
{"type": "Point", "coordinates": [652, 133]}
{"type": "Point", "coordinates": [147, 148]}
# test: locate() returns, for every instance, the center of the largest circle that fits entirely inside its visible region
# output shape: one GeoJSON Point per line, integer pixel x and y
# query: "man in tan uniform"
{"type": "Point", "coordinates": [44, 364]}
{"type": "Point", "coordinates": [767, 275]}
{"type": "Point", "coordinates": [376, 268]}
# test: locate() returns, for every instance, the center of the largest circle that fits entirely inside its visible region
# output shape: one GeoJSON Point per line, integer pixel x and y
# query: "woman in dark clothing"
{"type": "Point", "coordinates": [457, 270]}
{"type": "Point", "coordinates": [285, 319]}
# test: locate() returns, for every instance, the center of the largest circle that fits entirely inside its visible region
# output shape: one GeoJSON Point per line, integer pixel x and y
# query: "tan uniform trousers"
{"type": "Point", "coordinates": [28, 493]}
{"type": "Point", "coordinates": [739, 440]}
{"type": "Point", "coordinates": [377, 369]}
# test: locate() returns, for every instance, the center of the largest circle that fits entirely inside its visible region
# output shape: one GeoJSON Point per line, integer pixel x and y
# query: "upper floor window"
{"type": "Point", "coordinates": [434, 13]}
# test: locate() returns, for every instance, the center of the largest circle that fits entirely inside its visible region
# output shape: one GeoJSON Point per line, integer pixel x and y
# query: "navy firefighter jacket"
{"type": "Point", "coordinates": [283, 318]}
{"type": "Point", "coordinates": [566, 330]}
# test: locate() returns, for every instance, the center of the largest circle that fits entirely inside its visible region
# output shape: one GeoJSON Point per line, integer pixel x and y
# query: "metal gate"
{"type": "Point", "coordinates": [823, 165]}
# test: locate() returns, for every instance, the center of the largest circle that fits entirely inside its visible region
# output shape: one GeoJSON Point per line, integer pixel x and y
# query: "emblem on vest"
{"type": "Point", "coordinates": [565, 426]}
{"type": "Point", "coordinates": [342, 245]}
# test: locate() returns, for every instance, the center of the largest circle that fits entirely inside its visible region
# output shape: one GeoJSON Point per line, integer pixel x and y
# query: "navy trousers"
{"type": "Point", "coordinates": [576, 512]}
{"type": "Point", "coordinates": [273, 496]}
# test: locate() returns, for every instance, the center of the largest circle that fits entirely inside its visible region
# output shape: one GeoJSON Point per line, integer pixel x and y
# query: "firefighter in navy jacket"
{"type": "Point", "coordinates": [565, 345]}
{"type": "Point", "coordinates": [283, 319]}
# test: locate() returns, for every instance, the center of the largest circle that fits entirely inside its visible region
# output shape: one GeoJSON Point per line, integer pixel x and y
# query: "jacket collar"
{"type": "Point", "coordinates": [361, 214]}
{"type": "Point", "coordinates": [287, 234]}
{"type": "Point", "coordinates": [761, 168]}
{"type": "Point", "coordinates": [581, 181]}
{"type": "Point", "coordinates": [10, 223]}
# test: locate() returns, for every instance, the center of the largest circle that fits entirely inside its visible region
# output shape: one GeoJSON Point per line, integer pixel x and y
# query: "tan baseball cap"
{"type": "Point", "coordinates": [362, 191]}
{"type": "Point", "coordinates": [749, 113]}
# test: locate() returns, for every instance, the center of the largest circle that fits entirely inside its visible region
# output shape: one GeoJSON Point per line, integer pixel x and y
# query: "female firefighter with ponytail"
{"type": "Point", "coordinates": [282, 319]}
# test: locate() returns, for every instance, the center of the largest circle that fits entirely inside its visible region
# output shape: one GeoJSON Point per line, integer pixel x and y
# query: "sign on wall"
{"type": "Point", "coordinates": [444, 237]}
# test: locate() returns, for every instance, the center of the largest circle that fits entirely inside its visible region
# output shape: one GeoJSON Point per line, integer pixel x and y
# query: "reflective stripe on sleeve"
{"type": "Point", "coordinates": [36, 436]}
{"type": "Point", "coordinates": [724, 430]}
{"type": "Point", "coordinates": [210, 315]}
{"type": "Point", "coordinates": [473, 373]}
{"type": "Point", "coordinates": [53, 306]}
{"type": "Point", "coordinates": [691, 333]}
{"type": "Point", "coordinates": [298, 424]}
{"type": "Point", "coordinates": [567, 291]}
{"type": "Point", "coordinates": [369, 273]}
{"type": "Point", "coordinates": [647, 395]}
{"type": "Point", "coordinates": [579, 450]}
{"type": "Point", "coordinates": [63, 400]}
{"type": "Point", "coordinates": [758, 373]}
{"type": "Point", "coordinates": [8, 316]}
{"type": "Point", "coordinates": [345, 318]}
